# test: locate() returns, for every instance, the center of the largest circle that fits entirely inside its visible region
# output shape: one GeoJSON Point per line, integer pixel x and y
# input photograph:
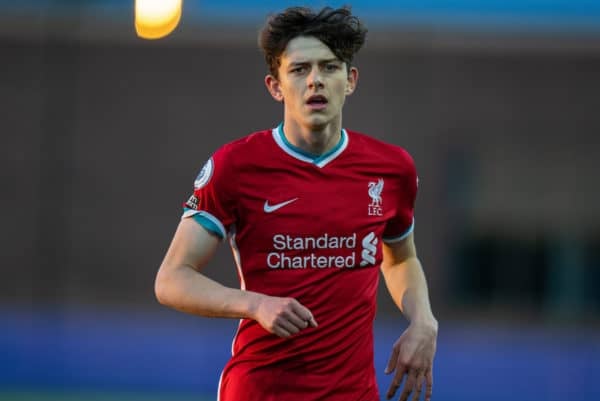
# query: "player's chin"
{"type": "Point", "coordinates": [317, 122]}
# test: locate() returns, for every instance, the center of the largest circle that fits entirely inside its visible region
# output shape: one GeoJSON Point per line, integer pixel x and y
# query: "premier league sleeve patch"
{"type": "Point", "coordinates": [205, 174]}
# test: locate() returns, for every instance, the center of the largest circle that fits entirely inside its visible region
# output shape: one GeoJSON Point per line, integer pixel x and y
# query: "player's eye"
{"type": "Point", "coordinates": [330, 67]}
{"type": "Point", "coordinates": [298, 70]}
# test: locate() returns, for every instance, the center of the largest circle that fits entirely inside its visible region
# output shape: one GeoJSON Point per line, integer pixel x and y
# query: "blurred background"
{"type": "Point", "coordinates": [102, 135]}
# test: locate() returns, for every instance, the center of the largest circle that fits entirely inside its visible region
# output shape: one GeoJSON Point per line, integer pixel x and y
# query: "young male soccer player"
{"type": "Point", "coordinates": [311, 211]}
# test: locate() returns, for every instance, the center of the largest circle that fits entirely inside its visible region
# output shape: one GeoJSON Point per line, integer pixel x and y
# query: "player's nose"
{"type": "Point", "coordinates": [315, 80]}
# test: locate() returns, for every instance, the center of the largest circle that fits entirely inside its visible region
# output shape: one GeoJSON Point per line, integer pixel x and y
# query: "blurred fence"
{"type": "Point", "coordinates": [171, 355]}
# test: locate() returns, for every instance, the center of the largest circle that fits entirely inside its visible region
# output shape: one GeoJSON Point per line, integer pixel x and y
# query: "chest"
{"type": "Point", "coordinates": [335, 201]}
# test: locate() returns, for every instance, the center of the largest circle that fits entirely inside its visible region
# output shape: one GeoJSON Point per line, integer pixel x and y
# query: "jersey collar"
{"type": "Point", "coordinates": [296, 152]}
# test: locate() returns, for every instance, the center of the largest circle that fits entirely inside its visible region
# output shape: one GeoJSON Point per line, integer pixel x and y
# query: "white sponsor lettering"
{"type": "Point", "coordinates": [304, 252]}
{"type": "Point", "coordinates": [279, 260]}
{"type": "Point", "coordinates": [282, 242]}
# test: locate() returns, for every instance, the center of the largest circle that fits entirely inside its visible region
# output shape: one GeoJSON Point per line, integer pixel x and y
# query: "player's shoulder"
{"type": "Point", "coordinates": [245, 149]}
{"type": "Point", "coordinates": [382, 151]}
{"type": "Point", "coordinates": [227, 161]}
{"type": "Point", "coordinates": [247, 143]}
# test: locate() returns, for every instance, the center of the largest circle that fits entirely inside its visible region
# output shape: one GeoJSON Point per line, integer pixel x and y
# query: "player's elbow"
{"type": "Point", "coordinates": [161, 287]}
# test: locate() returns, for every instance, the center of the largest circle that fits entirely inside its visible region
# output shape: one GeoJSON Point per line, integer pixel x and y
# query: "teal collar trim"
{"type": "Point", "coordinates": [300, 154]}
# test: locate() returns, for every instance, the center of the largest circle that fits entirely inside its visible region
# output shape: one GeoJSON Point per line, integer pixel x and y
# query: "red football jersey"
{"type": "Point", "coordinates": [309, 228]}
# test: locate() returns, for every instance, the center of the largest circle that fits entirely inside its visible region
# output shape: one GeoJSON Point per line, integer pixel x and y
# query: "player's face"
{"type": "Point", "coordinates": [313, 83]}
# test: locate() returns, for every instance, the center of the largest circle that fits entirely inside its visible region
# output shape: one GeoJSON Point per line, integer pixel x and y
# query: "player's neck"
{"type": "Point", "coordinates": [315, 141]}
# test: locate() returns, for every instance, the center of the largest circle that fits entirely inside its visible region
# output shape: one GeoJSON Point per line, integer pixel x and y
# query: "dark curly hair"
{"type": "Point", "coordinates": [342, 32]}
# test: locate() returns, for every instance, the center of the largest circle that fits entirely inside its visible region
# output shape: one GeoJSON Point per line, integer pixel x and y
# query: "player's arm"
{"type": "Point", "coordinates": [412, 355]}
{"type": "Point", "coordinates": [405, 280]}
{"type": "Point", "coordinates": [181, 285]}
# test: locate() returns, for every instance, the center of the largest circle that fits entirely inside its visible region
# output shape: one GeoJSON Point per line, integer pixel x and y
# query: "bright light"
{"type": "Point", "coordinates": [155, 19]}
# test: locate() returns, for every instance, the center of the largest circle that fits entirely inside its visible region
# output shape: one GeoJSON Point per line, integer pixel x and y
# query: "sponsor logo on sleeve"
{"type": "Point", "coordinates": [205, 174]}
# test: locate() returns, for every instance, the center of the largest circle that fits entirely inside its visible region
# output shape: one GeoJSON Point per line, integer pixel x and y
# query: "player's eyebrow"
{"type": "Point", "coordinates": [330, 60]}
{"type": "Point", "coordinates": [304, 62]}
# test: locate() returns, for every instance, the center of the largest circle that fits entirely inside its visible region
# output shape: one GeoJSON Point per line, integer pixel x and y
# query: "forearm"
{"type": "Point", "coordinates": [413, 353]}
{"type": "Point", "coordinates": [187, 290]}
{"type": "Point", "coordinates": [180, 284]}
{"type": "Point", "coordinates": [408, 287]}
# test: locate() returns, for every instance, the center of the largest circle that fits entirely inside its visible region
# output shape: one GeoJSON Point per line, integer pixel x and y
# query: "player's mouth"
{"type": "Point", "coordinates": [317, 102]}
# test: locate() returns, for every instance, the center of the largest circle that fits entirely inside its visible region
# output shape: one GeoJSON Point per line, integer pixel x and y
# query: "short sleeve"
{"type": "Point", "coordinates": [402, 223]}
{"type": "Point", "coordinates": [212, 203]}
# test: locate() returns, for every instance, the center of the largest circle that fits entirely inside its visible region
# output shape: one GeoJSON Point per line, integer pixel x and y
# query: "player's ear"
{"type": "Point", "coordinates": [352, 80]}
{"type": "Point", "coordinates": [274, 87]}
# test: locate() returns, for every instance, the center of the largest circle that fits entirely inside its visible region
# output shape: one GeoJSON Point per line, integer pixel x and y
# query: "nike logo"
{"type": "Point", "coordinates": [271, 208]}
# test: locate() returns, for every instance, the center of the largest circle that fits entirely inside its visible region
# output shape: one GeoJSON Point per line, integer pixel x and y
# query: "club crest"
{"type": "Point", "coordinates": [375, 207]}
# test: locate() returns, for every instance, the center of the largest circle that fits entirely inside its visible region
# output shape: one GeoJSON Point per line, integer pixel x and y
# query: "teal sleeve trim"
{"type": "Point", "coordinates": [391, 240]}
{"type": "Point", "coordinates": [206, 220]}
{"type": "Point", "coordinates": [209, 225]}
